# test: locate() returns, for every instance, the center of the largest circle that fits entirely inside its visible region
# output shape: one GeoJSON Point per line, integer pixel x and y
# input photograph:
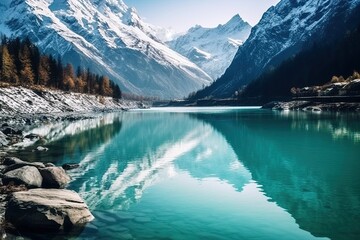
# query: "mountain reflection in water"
{"type": "Point", "coordinates": [219, 173]}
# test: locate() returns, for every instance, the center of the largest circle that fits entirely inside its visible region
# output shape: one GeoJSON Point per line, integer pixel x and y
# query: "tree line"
{"type": "Point", "coordinates": [22, 64]}
{"type": "Point", "coordinates": [314, 66]}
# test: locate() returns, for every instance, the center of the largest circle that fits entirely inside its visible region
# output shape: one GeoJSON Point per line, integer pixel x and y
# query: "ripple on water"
{"type": "Point", "coordinates": [142, 219]}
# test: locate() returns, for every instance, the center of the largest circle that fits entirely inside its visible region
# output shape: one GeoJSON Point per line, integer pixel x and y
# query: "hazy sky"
{"type": "Point", "coordinates": [183, 14]}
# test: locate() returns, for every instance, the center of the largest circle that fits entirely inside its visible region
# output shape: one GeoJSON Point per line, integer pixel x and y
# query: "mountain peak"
{"type": "Point", "coordinates": [236, 20]}
{"type": "Point", "coordinates": [213, 48]}
{"type": "Point", "coordinates": [286, 29]}
{"type": "Point", "coordinates": [108, 37]}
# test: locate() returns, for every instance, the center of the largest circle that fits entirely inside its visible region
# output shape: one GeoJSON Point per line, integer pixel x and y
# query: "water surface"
{"type": "Point", "coordinates": [214, 173]}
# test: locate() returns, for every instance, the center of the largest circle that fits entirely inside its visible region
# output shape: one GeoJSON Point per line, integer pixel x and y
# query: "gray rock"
{"type": "Point", "coordinates": [54, 177]}
{"type": "Point", "coordinates": [22, 164]}
{"type": "Point", "coordinates": [3, 139]}
{"type": "Point", "coordinates": [11, 131]}
{"type": "Point", "coordinates": [12, 160]}
{"type": "Point", "coordinates": [70, 166]}
{"type": "Point", "coordinates": [32, 136]}
{"type": "Point", "coordinates": [2, 168]}
{"type": "Point", "coordinates": [28, 175]}
{"type": "Point", "coordinates": [49, 165]}
{"type": "Point", "coordinates": [47, 209]}
{"type": "Point", "coordinates": [41, 149]}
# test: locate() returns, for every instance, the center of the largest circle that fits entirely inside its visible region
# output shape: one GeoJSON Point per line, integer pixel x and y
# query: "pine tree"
{"type": "Point", "coordinates": [59, 80]}
{"type": "Point", "coordinates": [88, 81]}
{"type": "Point", "coordinates": [26, 72]}
{"type": "Point", "coordinates": [68, 78]}
{"type": "Point", "coordinates": [8, 70]}
{"type": "Point", "coordinates": [53, 72]}
{"type": "Point", "coordinates": [117, 92]}
{"type": "Point", "coordinates": [44, 70]}
{"type": "Point", "coordinates": [105, 89]}
{"type": "Point", "coordinates": [80, 83]}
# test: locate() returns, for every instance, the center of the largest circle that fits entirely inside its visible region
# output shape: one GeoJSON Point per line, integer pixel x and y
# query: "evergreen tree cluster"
{"type": "Point", "coordinates": [22, 64]}
{"type": "Point", "coordinates": [309, 68]}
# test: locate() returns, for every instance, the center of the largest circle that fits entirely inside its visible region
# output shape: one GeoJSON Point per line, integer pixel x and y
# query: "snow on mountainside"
{"type": "Point", "coordinates": [107, 36]}
{"type": "Point", "coordinates": [284, 30]}
{"type": "Point", "coordinates": [213, 48]}
{"type": "Point", "coordinates": [18, 100]}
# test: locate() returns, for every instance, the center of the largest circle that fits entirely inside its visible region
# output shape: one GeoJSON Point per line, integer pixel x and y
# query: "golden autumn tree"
{"type": "Point", "coordinates": [44, 70]}
{"type": "Point", "coordinates": [80, 81]}
{"type": "Point", "coordinates": [68, 80]}
{"type": "Point", "coordinates": [26, 72]}
{"type": "Point", "coordinates": [105, 88]}
{"type": "Point", "coordinates": [8, 68]}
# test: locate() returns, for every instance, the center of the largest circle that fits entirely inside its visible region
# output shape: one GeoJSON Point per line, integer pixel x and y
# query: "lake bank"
{"type": "Point", "coordinates": [330, 103]}
{"type": "Point", "coordinates": [22, 109]}
{"type": "Point", "coordinates": [314, 106]}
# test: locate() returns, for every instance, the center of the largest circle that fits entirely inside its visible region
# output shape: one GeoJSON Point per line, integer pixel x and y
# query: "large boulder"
{"type": "Point", "coordinates": [14, 160]}
{"type": "Point", "coordinates": [13, 163]}
{"type": "Point", "coordinates": [28, 175]}
{"type": "Point", "coordinates": [70, 166]}
{"type": "Point", "coordinates": [47, 210]}
{"type": "Point", "coordinates": [11, 131]}
{"type": "Point", "coordinates": [3, 139]}
{"type": "Point", "coordinates": [11, 160]}
{"type": "Point", "coordinates": [54, 177]}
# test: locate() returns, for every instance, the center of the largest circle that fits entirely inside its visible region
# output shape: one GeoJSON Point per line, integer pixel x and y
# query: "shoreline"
{"type": "Point", "coordinates": [20, 124]}
{"type": "Point", "coordinates": [22, 110]}
{"type": "Point", "coordinates": [329, 104]}
{"type": "Point", "coordinates": [313, 106]}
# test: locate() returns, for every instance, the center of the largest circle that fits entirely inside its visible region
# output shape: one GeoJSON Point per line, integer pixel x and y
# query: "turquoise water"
{"type": "Point", "coordinates": [214, 173]}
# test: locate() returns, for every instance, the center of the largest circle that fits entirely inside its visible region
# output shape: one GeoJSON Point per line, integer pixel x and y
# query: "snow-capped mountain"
{"type": "Point", "coordinates": [107, 36]}
{"type": "Point", "coordinates": [213, 48]}
{"type": "Point", "coordinates": [284, 30]}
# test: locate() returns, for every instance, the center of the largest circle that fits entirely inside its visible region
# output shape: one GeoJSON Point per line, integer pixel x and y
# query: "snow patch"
{"type": "Point", "coordinates": [15, 100]}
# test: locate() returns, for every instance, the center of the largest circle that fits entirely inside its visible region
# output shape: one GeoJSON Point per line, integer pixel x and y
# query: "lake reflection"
{"type": "Point", "coordinates": [217, 173]}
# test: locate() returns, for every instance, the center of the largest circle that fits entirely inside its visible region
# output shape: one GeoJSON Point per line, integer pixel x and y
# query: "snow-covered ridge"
{"type": "Point", "coordinates": [283, 31]}
{"type": "Point", "coordinates": [108, 37]}
{"type": "Point", "coordinates": [213, 48]}
{"type": "Point", "coordinates": [16, 100]}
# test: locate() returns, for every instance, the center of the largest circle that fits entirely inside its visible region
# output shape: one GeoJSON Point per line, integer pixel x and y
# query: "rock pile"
{"type": "Point", "coordinates": [46, 205]}
{"type": "Point", "coordinates": [47, 210]}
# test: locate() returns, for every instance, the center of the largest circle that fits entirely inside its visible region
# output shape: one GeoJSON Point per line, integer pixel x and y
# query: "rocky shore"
{"type": "Point", "coordinates": [312, 106]}
{"type": "Point", "coordinates": [13, 128]}
{"type": "Point", "coordinates": [33, 198]}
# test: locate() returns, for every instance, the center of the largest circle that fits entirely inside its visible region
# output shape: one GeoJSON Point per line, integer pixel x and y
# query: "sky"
{"type": "Point", "coordinates": [180, 15]}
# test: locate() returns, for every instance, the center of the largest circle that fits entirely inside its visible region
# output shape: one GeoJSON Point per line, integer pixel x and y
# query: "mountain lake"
{"type": "Point", "coordinates": [212, 173]}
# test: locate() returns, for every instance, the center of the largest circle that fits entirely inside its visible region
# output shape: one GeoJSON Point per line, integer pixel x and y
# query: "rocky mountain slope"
{"type": "Point", "coordinates": [107, 36]}
{"type": "Point", "coordinates": [213, 48]}
{"type": "Point", "coordinates": [284, 30]}
{"type": "Point", "coordinates": [19, 100]}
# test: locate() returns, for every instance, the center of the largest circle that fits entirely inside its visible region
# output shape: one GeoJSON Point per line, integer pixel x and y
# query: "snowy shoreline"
{"type": "Point", "coordinates": [16, 100]}
{"type": "Point", "coordinates": [22, 109]}
{"type": "Point", "coordinates": [314, 106]}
